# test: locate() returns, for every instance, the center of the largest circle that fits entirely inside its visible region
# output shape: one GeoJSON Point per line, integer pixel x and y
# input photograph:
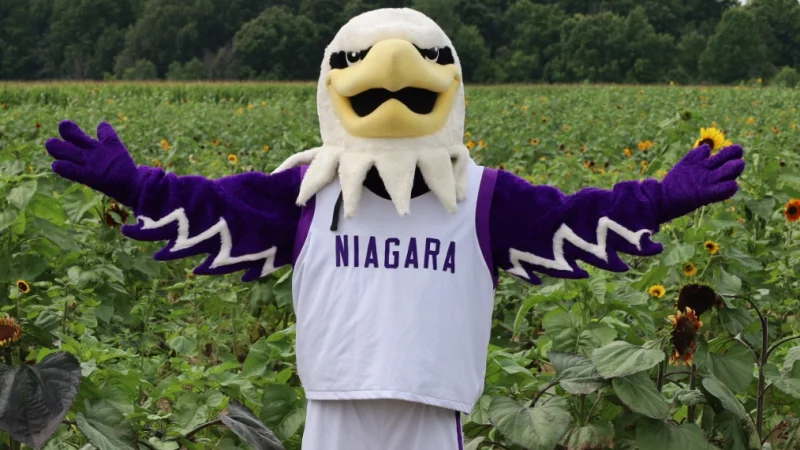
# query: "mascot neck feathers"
{"type": "Point", "coordinates": [390, 96]}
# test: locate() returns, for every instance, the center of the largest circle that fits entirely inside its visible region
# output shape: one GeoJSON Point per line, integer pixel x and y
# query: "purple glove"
{"type": "Point", "coordinates": [698, 180]}
{"type": "Point", "coordinates": [104, 165]}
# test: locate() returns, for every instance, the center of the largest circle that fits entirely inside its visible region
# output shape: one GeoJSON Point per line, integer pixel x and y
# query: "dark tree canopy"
{"type": "Point", "coordinates": [521, 41]}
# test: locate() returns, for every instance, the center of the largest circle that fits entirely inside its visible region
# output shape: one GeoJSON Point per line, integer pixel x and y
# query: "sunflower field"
{"type": "Point", "coordinates": [103, 347]}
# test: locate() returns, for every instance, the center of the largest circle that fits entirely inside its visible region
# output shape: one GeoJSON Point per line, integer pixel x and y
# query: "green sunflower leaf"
{"type": "Point", "coordinates": [576, 374]}
{"type": "Point", "coordinates": [660, 435]}
{"type": "Point", "coordinates": [620, 358]}
{"type": "Point", "coordinates": [593, 436]}
{"type": "Point", "coordinates": [638, 392]}
{"type": "Point", "coordinates": [106, 427]}
{"type": "Point", "coordinates": [726, 397]}
{"type": "Point", "coordinates": [539, 428]}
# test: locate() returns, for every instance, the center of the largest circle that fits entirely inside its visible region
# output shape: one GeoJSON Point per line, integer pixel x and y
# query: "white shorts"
{"type": "Point", "coordinates": [380, 425]}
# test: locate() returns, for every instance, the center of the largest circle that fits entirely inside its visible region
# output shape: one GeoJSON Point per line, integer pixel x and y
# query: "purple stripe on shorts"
{"type": "Point", "coordinates": [484, 208]}
{"type": "Point", "coordinates": [305, 222]}
{"type": "Point", "coordinates": [458, 430]}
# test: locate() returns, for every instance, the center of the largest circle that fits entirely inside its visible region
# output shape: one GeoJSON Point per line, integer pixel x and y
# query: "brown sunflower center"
{"type": "Point", "coordinates": [7, 332]}
{"type": "Point", "coordinates": [792, 210]}
{"type": "Point", "coordinates": [683, 336]}
{"type": "Point", "coordinates": [708, 141]}
{"type": "Point", "coordinates": [697, 297]}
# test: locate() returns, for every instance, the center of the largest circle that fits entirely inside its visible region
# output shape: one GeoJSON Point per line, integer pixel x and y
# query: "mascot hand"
{"type": "Point", "coordinates": [103, 164]}
{"type": "Point", "coordinates": [698, 180]}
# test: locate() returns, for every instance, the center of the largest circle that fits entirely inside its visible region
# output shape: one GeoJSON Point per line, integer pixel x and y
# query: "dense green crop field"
{"type": "Point", "coordinates": [573, 364]}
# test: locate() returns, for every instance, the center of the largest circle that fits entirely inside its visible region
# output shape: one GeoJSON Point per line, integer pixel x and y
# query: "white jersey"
{"type": "Point", "coordinates": [395, 307]}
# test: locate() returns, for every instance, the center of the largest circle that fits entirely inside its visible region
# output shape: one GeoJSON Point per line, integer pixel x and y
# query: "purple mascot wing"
{"type": "Point", "coordinates": [244, 222]}
{"type": "Point", "coordinates": [538, 228]}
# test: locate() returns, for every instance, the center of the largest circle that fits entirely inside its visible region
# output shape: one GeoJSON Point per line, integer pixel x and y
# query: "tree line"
{"type": "Point", "coordinates": [499, 41]}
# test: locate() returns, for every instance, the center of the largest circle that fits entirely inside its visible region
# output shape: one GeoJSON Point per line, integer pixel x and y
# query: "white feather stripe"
{"type": "Point", "coordinates": [565, 234]}
{"type": "Point", "coordinates": [223, 258]}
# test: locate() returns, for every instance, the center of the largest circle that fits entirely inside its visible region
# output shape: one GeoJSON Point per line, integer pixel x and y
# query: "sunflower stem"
{"type": "Point", "coordinates": [762, 382]}
{"type": "Point", "coordinates": [662, 369]}
{"type": "Point", "coordinates": [708, 263]}
{"type": "Point", "coordinates": [692, 386]}
{"type": "Point", "coordinates": [702, 213]}
{"type": "Point", "coordinates": [64, 319]}
{"type": "Point", "coordinates": [546, 388]}
{"type": "Point", "coordinates": [779, 343]}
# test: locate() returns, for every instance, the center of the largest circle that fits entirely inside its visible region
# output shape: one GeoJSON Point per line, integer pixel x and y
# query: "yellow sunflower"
{"type": "Point", "coordinates": [657, 291]}
{"type": "Point", "coordinates": [711, 247]}
{"type": "Point", "coordinates": [713, 138]}
{"type": "Point", "coordinates": [233, 159]}
{"type": "Point", "coordinates": [165, 144]}
{"type": "Point", "coordinates": [23, 286]}
{"type": "Point", "coordinates": [689, 269]}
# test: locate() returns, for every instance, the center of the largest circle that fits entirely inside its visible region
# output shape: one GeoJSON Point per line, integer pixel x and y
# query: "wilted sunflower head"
{"type": "Point", "coordinates": [697, 298]}
{"type": "Point", "coordinates": [713, 138]}
{"type": "Point", "coordinates": [684, 336]}
{"type": "Point", "coordinates": [10, 331]}
{"type": "Point", "coordinates": [115, 215]}
{"type": "Point", "coordinates": [792, 210]}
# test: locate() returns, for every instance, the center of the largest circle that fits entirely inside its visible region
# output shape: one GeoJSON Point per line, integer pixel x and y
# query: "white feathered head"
{"type": "Point", "coordinates": [390, 95]}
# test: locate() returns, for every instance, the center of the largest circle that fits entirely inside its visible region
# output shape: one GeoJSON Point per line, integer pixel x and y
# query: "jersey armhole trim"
{"type": "Point", "coordinates": [304, 224]}
{"type": "Point", "coordinates": [482, 214]}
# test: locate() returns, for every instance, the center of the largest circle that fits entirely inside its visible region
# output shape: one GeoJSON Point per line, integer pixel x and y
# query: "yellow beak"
{"type": "Point", "coordinates": [394, 65]}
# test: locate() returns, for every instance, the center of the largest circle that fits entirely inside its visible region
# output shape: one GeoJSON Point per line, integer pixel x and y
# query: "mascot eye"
{"type": "Point", "coordinates": [439, 55]}
{"type": "Point", "coordinates": [353, 57]}
{"type": "Point", "coordinates": [343, 60]}
{"type": "Point", "coordinates": [431, 54]}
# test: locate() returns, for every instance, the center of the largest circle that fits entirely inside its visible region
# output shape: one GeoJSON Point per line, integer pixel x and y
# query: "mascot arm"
{"type": "Point", "coordinates": [539, 229]}
{"type": "Point", "coordinates": [244, 222]}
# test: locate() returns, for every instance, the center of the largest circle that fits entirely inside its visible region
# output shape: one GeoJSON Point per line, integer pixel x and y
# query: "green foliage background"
{"type": "Point", "coordinates": [500, 41]}
{"type": "Point", "coordinates": [162, 352]}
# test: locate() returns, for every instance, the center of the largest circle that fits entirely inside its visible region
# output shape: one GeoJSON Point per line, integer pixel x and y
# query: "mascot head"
{"type": "Point", "coordinates": [390, 96]}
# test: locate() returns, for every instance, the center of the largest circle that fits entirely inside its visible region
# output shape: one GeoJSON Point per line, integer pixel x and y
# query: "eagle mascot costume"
{"type": "Point", "coordinates": [395, 235]}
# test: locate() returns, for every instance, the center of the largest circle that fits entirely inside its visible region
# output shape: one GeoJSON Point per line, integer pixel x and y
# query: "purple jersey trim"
{"type": "Point", "coordinates": [484, 208]}
{"type": "Point", "coordinates": [458, 431]}
{"type": "Point", "coordinates": [305, 222]}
